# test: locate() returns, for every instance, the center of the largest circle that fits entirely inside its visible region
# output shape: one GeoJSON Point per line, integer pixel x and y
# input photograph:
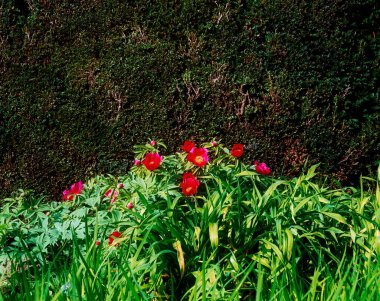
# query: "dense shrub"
{"type": "Point", "coordinates": [200, 225]}
{"type": "Point", "coordinates": [83, 81]}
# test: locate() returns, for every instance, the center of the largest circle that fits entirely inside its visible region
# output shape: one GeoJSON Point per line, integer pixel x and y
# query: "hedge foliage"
{"type": "Point", "coordinates": [83, 81]}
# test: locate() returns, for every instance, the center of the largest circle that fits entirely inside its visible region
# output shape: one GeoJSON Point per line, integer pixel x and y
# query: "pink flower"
{"type": "Point", "coordinates": [262, 168]}
{"type": "Point", "coordinates": [112, 193]}
{"type": "Point", "coordinates": [130, 205]}
{"type": "Point", "coordinates": [67, 195]}
{"type": "Point", "coordinates": [198, 156]}
{"type": "Point", "coordinates": [153, 142]}
{"type": "Point", "coordinates": [120, 185]}
{"type": "Point", "coordinates": [189, 184]}
{"type": "Point", "coordinates": [137, 162]}
{"type": "Point", "coordinates": [152, 161]}
{"type": "Point", "coordinates": [188, 146]}
{"type": "Point", "coordinates": [75, 189]}
{"type": "Point", "coordinates": [214, 143]}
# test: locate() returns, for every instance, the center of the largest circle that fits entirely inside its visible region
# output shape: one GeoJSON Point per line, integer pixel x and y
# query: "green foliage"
{"type": "Point", "coordinates": [83, 81]}
{"type": "Point", "coordinates": [243, 235]}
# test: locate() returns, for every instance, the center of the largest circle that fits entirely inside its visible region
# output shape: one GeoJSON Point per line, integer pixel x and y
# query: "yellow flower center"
{"type": "Point", "coordinates": [199, 159]}
{"type": "Point", "coordinates": [188, 189]}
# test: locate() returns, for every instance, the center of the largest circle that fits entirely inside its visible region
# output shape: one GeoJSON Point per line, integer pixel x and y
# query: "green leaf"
{"type": "Point", "coordinates": [336, 216]}
{"type": "Point", "coordinates": [214, 237]}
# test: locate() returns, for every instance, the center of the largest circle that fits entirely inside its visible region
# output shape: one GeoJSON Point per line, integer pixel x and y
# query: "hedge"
{"type": "Point", "coordinates": [83, 81]}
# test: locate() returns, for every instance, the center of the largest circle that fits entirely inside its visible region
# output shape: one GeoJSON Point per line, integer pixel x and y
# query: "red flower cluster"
{"type": "Point", "coordinates": [237, 150]}
{"type": "Point", "coordinates": [111, 238]}
{"type": "Point", "coordinates": [76, 188]}
{"type": "Point", "coordinates": [188, 146]}
{"type": "Point", "coordinates": [198, 156]}
{"type": "Point", "coordinates": [152, 161]}
{"type": "Point", "coordinates": [262, 168]}
{"type": "Point", "coordinates": [189, 184]}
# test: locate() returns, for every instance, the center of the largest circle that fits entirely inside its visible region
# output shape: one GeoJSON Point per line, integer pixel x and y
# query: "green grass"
{"type": "Point", "coordinates": [243, 236]}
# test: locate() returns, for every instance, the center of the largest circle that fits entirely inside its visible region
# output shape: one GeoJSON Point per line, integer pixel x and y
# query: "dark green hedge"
{"type": "Point", "coordinates": [83, 81]}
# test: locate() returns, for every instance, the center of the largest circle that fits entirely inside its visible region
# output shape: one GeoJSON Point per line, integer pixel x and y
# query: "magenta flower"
{"type": "Point", "coordinates": [113, 194]}
{"type": "Point", "coordinates": [262, 168]}
{"type": "Point", "coordinates": [67, 195]}
{"type": "Point", "coordinates": [75, 189]}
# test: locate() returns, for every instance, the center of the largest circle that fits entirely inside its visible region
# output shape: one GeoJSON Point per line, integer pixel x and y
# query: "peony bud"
{"type": "Point", "coordinates": [130, 205]}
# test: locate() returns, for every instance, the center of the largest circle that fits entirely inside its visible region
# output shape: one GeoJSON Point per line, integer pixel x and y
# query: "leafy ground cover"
{"type": "Point", "coordinates": [195, 225]}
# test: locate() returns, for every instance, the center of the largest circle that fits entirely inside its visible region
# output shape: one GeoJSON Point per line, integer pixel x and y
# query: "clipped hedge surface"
{"type": "Point", "coordinates": [84, 81]}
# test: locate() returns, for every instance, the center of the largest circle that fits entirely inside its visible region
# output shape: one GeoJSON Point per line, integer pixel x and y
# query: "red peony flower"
{"type": "Point", "coordinates": [237, 150]}
{"type": "Point", "coordinates": [262, 168]}
{"type": "Point", "coordinates": [152, 161]}
{"type": "Point", "coordinates": [113, 195]}
{"type": "Point", "coordinates": [198, 156]}
{"type": "Point", "coordinates": [111, 238]}
{"type": "Point", "coordinates": [188, 146]}
{"type": "Point", "coordinates": [76, 188]}
{"type": "Point", "coordinates": [67, 195]}
{"type": "Point", "coordinates": [189, 184]}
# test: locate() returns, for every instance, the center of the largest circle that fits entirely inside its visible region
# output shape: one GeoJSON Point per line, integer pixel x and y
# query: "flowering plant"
{"type": "Point", "coordinates": [152, 161]}
{"type": "Point", "coordinates": [112, 194]}
{"type": "Point", "coordinates": [189, 184]}
{"type": "Point", "coordinates": [198, 156]}
{"type": "Point", "coordinates": [75, 189]}
{"type": "Point", "coordinates": [200, 214]}
{"type": "Point", "coordinates": [188, 146]}
{"type": "Point", "coordinates": [262, 168]}
{"type": "Point", "coordinates": [237, 150]}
